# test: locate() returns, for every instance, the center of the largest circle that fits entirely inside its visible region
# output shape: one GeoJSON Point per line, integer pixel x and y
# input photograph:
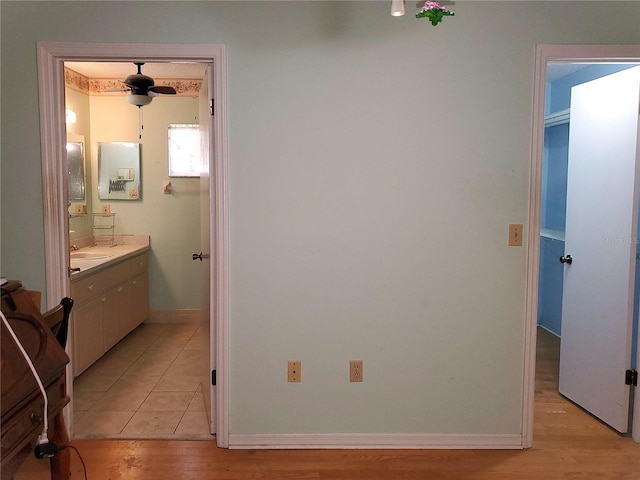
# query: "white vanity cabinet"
{"type": "Point", "coordinates": [108, 305]}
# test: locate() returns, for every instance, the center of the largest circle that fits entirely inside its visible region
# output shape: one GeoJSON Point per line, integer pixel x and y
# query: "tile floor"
{"type": "Point", "coordinates": [147, 386]}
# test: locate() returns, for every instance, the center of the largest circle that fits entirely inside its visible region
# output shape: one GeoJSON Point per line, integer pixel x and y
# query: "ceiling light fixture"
{"type": "Point", "coordinates": [139, 100]}
{"type": "Point", "coordinates": [397, 8]}
{"type": "Point", "coordinates": [142, 88]}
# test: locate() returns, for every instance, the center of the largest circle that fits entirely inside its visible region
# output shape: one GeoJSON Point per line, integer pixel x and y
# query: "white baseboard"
{"type": "Point", "coordinates": [174, 316]}
{"type": "Point", "coordinates": [374, 441]}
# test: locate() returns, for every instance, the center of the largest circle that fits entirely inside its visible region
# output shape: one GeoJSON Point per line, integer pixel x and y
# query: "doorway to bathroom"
{"type": "Point", "coordinates": [558, 69]}
{"type": "Point", "coordinates": [148, 384]}
{"type": "Point", "coordinates": [51, 58]}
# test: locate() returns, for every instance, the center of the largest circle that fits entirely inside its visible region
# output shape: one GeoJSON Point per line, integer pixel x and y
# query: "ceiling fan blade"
{"type": "Point", "coordinates": [164, 89]}
{"type": "Point", "coordinates": [116, 90]}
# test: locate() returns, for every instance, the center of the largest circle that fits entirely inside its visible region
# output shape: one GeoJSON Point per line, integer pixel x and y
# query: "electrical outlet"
{"type": "Point", "coordinates": [515, 235]}
{"type": "Point", "coordinates": [294, 371]}
{"type": "Point", "coordinates": [106, 209]}
{"type": "Point", "coordinates": [355, 370]}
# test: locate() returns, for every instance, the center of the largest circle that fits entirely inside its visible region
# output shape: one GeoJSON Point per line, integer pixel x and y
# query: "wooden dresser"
{"type": "Point", "coordinates": [22, 403]}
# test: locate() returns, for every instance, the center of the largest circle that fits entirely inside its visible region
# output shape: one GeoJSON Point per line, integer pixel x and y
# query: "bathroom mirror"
{"type": "Point", "coordinates": [119, 171]}
{"type": "Point", "coordinates": [75, 166]}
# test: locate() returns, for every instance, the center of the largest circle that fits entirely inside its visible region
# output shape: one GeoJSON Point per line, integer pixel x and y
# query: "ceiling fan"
{"type": "Point", "coordinates": [143, 88]}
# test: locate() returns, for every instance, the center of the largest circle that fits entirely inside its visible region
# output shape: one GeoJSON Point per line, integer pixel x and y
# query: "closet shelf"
{"type": "Point", "coordinates": [557, 118]}
{"type": "Point", "coordinates": [553, 234]}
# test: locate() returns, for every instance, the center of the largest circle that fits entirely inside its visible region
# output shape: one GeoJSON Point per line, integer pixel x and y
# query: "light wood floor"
{"type": "Point", "coordinates": [568, 445]}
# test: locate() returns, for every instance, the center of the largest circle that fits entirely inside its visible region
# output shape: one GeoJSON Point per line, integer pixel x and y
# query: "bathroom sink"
{"type": "Point", "coordinates": [88, 255]}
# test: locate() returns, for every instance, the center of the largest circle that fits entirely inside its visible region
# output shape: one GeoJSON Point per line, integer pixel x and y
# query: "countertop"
{"type": "Point", "coordinates": [110, 255]}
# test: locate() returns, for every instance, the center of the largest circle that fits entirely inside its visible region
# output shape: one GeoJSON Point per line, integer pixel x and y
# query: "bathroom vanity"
{"type": "Point", "coordinates": [111, 294]}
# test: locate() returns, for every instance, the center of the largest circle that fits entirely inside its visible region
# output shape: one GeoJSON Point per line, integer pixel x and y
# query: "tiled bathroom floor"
{"type": "Point", "coordinates": [147, 386]}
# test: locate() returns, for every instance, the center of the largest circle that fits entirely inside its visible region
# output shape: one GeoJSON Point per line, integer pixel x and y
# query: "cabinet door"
{"type": "Point", "coordinates": [139, 300]}
{"type": "Point", "coordinates": [88, 344]}
{"type": "Point", "coordinates": [116, 314]}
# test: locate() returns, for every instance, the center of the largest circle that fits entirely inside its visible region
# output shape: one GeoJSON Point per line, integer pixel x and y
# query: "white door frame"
{"type": "Point", "coordinates": [51, 58]}
{"type": "Point", "coordinates": [544, 55]}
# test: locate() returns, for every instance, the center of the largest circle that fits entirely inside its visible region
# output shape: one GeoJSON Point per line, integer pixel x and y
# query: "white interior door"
{"type": "Point", "coordinates": [207, 326]}
{"type": "Point", "coordinates": [601, 234]}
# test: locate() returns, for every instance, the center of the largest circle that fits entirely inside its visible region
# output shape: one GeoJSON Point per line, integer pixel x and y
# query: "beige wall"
{"type": "Point", "coordinates": [375, 163]}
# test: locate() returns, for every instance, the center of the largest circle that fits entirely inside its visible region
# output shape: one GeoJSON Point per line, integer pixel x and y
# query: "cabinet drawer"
{"type": "Point", "coordinates": [117, 274]}
{"type": "Point", "coordinates": [87, 288]}
{"type": "Point", "coordinates": [97, 283]}
{"type": "Point", "coordinates": [138, 265]}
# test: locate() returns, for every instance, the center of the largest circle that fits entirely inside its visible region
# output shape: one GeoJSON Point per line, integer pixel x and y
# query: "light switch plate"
{"type": "Point", "coordinates": [515, 234]}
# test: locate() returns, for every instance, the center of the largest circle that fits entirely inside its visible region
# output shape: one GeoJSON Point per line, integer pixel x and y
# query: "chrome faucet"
{"type": "Point", "coordinates": [73, 247]}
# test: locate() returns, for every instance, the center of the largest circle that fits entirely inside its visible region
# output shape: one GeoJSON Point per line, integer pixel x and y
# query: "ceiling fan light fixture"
{"type": "Point", "coordinates": [397, 8]}
{"type": "Point", "coordinates": [139, 100]}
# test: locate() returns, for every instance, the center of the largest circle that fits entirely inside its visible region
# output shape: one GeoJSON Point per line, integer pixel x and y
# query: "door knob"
{"type": "Point", "coordinates": [566, 259]}
{"type": "Point", "coordinates": [199, 256]}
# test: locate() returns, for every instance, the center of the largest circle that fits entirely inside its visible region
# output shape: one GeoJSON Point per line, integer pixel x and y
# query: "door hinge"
{"type": "Point", "coordinates": [631, 377]}
{"type": "Point", "coordinates": [213, 378]}
{"type": "Point", "coordinates": [212, 107]}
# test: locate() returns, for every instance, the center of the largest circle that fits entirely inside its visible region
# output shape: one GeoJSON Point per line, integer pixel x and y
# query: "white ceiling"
{"type": "Point", "coordinates": [121, 70]}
